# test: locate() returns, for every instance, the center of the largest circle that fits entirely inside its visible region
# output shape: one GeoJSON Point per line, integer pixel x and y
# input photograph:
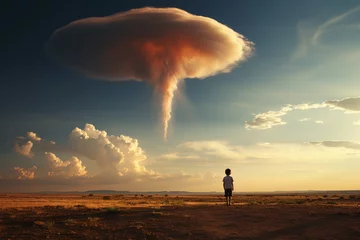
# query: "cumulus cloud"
{"type": "Point", "coordinates": [24, 149]}
{"type": "Point", "coordinates": [33, 137]}
{"type": "Point", "coordinates": [161, 46]}
{"type": "Point", "coordinates": [31, 143]}
{"type": "Point", "coordinates": [70, 168]}
{"type": "Point", "coordinates": [24, 174]}
{"type": "Point", "coordinates": [119, 158]}
{"type": "Point", "coordinates": [269, 119]}
{"type": "Point", "coordinates": [120, 153]}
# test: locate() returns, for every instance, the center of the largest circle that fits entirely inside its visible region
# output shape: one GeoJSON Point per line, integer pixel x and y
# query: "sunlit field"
{"type": "Point", "coordinates": [161, 216]}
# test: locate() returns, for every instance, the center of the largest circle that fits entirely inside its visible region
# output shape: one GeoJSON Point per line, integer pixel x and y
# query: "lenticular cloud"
{"type": "Point", "coordinates": [162, 46]}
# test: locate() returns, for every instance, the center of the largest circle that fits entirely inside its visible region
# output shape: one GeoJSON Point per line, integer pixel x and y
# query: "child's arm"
{"type": "Point", "coordinates": [232, 184]}
{"type": "Point", "coordinates": [223, 184]}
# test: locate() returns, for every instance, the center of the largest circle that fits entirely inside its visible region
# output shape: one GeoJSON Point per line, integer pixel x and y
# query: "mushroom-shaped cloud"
{"type": "Point", "coordinates": [159, 45]}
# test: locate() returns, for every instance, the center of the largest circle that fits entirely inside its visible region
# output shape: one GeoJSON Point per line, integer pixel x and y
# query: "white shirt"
{"type": "Point", "coordinates": [228, 180]}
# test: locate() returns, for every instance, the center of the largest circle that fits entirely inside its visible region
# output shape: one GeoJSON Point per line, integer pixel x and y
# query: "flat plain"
{"type": "Point", "coordinates": [161, 216]}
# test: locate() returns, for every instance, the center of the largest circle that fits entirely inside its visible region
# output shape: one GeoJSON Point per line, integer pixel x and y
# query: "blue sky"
{"type": "Point", "coordinates": [305, 52]}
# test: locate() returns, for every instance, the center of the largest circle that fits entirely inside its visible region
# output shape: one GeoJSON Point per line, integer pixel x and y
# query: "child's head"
{"type": "Point", "coordinates": [228, 171]}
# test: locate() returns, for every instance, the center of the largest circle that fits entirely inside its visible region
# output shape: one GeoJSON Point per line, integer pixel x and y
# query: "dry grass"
{"type": "Point", "coordinates": [178, 217]}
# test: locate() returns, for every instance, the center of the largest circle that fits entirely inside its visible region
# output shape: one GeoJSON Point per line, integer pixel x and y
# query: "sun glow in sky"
{"type": "Point", "coordinates": [287, 118]}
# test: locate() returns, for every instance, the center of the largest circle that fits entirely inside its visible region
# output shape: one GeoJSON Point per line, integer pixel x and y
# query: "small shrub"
{"type": "Point", "coordinates": [253, 203]}
{"type": "Point", "coordinates": [112, 210]}
{"type": "Point", "coordinates": [135, 195]}
{"type": "Point", "coordinates": [70, 221]}
{"type": "Point", "coordinates": [91, 195]}
{"type": "Point", "coordinates": [325, 196]}
{"type": "Point", "coordinates": [155, 213]}
{"type": "Point", "coordinates": [341, 198]}
{"type": "Point", "coordinates": [174, 202]}
{"type": "Point", "coordinates": [141, 195]}
{"type": "Point", "coordinates": [49, 224]}
{"type": "Point", "coordinates": [80, 206]}
{"type": "Point", "coordinates": [352, 196]}
{"type": "Point", "coordinates": [166, 195]}
{"type": "Point", "coordinates": [331, 203]}
{"type": "Point", "coordinates": [149, 196]}
{"type": "Point", "coordinates": [93, 219]}
{"type": "Point", "coordinates": [106, 197]}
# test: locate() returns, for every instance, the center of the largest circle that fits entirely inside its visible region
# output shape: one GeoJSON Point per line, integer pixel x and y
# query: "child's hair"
{"type": "Point", "coordinates": [227, 171]}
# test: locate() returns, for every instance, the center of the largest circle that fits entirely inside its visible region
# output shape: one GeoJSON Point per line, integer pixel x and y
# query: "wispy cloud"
{"type": "Point", "coordinates": [310, 35]}
{"type": "Point", "coordinates": [177, 155]}
{"type": "Point", "coordinates": [320, 30]}
{"type": "Point", "coordinates": [338, 144]}
{"type": "Point", "coordinates": [357, 123]}
{"type": "Point", "coordinates": [218, 149]}
{"type": "Point", "coordinates": [348, 105]}
{"type": "Point", "coordinates": [227, 153]}
{"type": "Point", "coordinates": [270, 119]}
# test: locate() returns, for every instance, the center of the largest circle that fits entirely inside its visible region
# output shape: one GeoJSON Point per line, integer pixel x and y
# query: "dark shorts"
{"type": "Point", "coordinates": [228, 192]}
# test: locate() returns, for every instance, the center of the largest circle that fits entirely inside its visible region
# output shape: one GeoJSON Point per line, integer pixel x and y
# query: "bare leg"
{"type": "Point", "coordinates": [229, 200]}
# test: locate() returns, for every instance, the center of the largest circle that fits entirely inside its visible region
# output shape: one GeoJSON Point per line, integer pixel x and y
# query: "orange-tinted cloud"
{"type": "Point", "coordinates": [161, 46]}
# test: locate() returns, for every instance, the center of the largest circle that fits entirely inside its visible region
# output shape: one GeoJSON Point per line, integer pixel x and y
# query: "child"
{"type": "Point", "coordinates": [228, 184]}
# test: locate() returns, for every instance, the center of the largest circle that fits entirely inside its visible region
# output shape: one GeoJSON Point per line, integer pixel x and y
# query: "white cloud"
{"type": "Point", "coordinates": [33, 137]}
{"type": "Point", "coordinates": [266, 120]}
{"type": "Point", "coordinates": [24, 149]}
{"type": "Point", "coordinates": [120, 153]}
{"type": "Point", "coordinates": [31, 143]}
{"type": "Point", "coordinates": [304, 119]}
{"type": "Point", "coordinates": [348, 105]}
{"type": "Point", "coordinates": [119, 158]}
{"type": "Point", "coordinates": [269, 119]}
{"type": "Point", "coordinates": [70, 168]}
{"type": "Point", "coordinates": [307, 106]}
